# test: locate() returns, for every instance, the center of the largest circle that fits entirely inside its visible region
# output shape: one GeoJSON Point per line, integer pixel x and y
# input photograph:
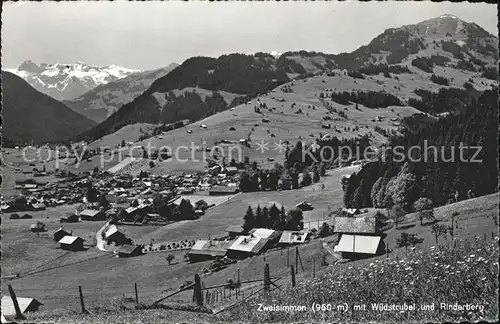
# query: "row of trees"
{"type": "Point", "coordinates": [373, 69]}
{"type": "Point", "coordinates": [273, 218]}
{"type": "Point", "coordinates": [370, 99]}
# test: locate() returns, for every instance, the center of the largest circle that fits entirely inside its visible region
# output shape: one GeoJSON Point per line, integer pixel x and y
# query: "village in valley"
{"type": "Point", "coordinates": [198, 192]}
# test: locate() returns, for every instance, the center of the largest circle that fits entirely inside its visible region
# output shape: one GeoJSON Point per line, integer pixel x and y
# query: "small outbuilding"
{"type": "Point", "coordinates": [113, 235]}
{"type": "Point", "coordinates": [126, 251]}
{"type": "Point", "coordinates": [71, 243]}
{"type": "Point", "coordinates": [60, 233]}
{"type": "Point", "coordinates": [38, 227]}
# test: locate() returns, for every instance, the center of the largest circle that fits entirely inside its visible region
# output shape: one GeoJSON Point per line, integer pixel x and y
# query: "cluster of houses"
{"type": "Point", "coordinates": [240, 244]}
{"type": "Point", "coordinates": [357, 235]}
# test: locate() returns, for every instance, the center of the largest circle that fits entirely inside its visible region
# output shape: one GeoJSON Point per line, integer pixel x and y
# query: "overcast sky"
{"type": "Point", "coordinates": [151, 35]}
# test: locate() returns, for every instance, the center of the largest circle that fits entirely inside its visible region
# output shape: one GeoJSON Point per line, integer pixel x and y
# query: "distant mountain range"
{"type": "Point", "coordinates": [202, 86]}
{"type": "Point", "coordinates": [30, 116]}
{"type": "Point", "coordinates": [69, 81]}
{"type": "Point", "coordinates": [100, 102]}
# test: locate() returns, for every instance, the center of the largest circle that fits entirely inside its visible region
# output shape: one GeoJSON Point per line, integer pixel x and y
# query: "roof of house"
{"type": "Point", "coordinates": [24, 305]}
{"type": "Point", "coordinates": [39, 206]}
{"type": "Point", "coordinates": [111, 231]}
{"type": "Point", "coordinates": [37, 225]}
{"type": "Point", "coordinates": [69, 239]}
{"type": "Point", "coordinates": [129, 249]}
{"type": "Point", "coordinates": [262, 232]}
{"type": "Point", "coordinates": [213, 248]}
{"type": "Point", "coordinates": [360, 224]}
{"type": "Point", "coordinates": [224, 189]}
{"type": "Point", "coordinates": [252, 244]}
{"type": "Point", "coordinates": [293, 237]}
{"type": "Point", "coordinates": [61, 230]}
{"type": "Point", "coordinates": [358, 244]}
{"type": "Point", "coordinates": [89, 212]}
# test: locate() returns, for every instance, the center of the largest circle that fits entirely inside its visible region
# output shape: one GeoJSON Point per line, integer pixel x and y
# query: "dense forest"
{"type": "Point", "coordinates": [445, 100]}
{"type": "Point", "coordinates": [395, 181]}
{"type": "Point", "coordinates": [370, 99]}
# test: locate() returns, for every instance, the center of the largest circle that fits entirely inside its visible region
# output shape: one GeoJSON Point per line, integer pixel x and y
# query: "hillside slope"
{"type": "Point", "coordinates": [234, 76]}
{"type": "Point", "coordinates": [102, 101]}
{"type": "Point", "coordinates": [30, 116]}
{"type": "Point", "coordinates": [444, 50]}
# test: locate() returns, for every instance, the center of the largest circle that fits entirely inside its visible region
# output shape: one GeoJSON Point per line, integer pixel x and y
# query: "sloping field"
{"type": "Point", "coordinates": [121, 165]}
{"type": "Point", "coordinates": [285, 123]}
{"type": "Point", "coordinates": [129, 133]}
{"type": "Point", "coordinates": [111, 276]}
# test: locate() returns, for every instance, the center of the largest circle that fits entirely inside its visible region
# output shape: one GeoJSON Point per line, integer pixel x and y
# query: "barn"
{"type": "Point", "coordinates": [71, 243]}
{"type": "Point", "coordinates": [38, 227]}
{"type": "Point", "coordinates": [204, 250]}
{"type": "Point", "coordinates": [358, 237]}
{"type": "Point", "coordinates": [126, 251]}
{"type": "Point", "coordinates": [113, 235]}
{"type": "Point", "coordinates": [59, 234]}
{"type": "Point", "coordinates": [355, 247]}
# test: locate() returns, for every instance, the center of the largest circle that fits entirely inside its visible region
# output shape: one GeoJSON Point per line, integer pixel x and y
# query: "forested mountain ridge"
{"type": "Point", "coordinates": [452, 174]}
{"type": "Point", "coordinates": [241, 76]}
{"type": "Point", "coordinates": [438, 50]}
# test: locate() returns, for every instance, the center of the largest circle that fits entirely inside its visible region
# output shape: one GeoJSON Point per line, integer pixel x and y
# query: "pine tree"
{"type": "Point", "coordinates": [274, 217]}
{"type": "Point", "coordinates": [258, 217]}
{"type": "Point", "coordinates": [265, 218]}
{"type": "Point", "coordinates": [249, 220]}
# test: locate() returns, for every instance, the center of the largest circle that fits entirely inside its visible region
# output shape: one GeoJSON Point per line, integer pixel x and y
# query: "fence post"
{"type": "Point", "coordinates": [81, 300]}
{"type": "Point", "coordinates": [239, 284]}
{"type": "Point", "coordinates": [198, 296]}
{"type": "Point", "coordinates": [296, 259]}
{"type": "Point", "coordinates": [136, 294]}
{"type": "Point", "coordinates": [19, 315]}
{"type": "Point", "coordinates": [292, 271]}
{"type": "Point", "coordinates": [287, 256]}
{"type": "Point", "coordinates": [267, 278]}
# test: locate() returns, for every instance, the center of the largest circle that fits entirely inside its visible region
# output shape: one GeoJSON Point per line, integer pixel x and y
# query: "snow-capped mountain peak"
{"type": "Point", "coordinates": [69, 80]}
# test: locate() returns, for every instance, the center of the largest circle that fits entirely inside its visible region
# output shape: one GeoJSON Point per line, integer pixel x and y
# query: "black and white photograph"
{"type": "Point", "coordinates": [249, 162]}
